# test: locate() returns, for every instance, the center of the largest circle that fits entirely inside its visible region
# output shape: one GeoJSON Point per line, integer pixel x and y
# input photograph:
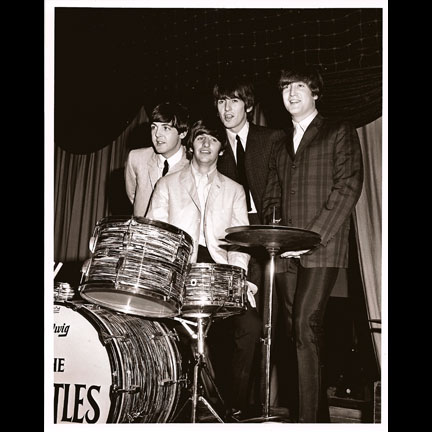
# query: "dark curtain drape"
{"type": "Point", "coordinates": [109, 61]}
{"type": "Point", "coordinates": [82, 193]}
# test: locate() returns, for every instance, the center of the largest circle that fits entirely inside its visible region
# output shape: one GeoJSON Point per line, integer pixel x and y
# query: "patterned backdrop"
{"type": "Point", "coordinates": [110, 62]}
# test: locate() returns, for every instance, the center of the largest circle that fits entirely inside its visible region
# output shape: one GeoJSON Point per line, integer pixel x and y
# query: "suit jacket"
{"type": "Point", "coordinates": [175, 201]}
{"type": "Point", "coordinates": [318, 187]}
{"type": "Point", "coordinates": [141, 175]}
{"type": "Point", "coordinates": [260, 141]}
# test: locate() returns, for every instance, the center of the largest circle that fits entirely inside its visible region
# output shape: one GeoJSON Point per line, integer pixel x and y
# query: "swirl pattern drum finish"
{"type": "Point", "coordinates": [113, 368]}
{"type": "Point", "coordinates": [216, 289]}
{"type": "Point", "coordinates": [138, 266]}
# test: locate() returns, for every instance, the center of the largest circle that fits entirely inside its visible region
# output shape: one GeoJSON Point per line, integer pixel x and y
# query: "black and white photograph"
{"type": "Point", "coordinates": [215, 215]}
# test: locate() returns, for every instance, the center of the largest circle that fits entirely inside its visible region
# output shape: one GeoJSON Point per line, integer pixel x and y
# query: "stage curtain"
{"type": "Point", "coordinates": [368, 222]}
{"type": "Point", "coordinates": [80, 193]}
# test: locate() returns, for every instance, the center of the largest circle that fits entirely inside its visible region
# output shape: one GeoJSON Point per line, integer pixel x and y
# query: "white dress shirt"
{"type": "Point", "coordinates": [203, 183]}
{"type": "Point", "coordinates": [300, 128]}
{"type": "Point", "coordinates": [176, 157]}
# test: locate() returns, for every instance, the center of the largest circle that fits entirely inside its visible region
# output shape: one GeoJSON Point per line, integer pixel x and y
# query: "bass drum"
{"type": "Point", "coordinates": [114, 368]}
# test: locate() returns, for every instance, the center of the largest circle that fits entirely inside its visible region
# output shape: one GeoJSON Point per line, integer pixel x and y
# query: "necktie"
{"type": "Point", "coordinates": [242, 170]}
{"type": "Point", "coordinates": [298, 135]}
{"type": "Point", "coordinates": [166, 167]}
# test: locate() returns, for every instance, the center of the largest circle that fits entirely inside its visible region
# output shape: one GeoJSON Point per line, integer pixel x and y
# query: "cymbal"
{"type": "Point", "coordinates": [273, 236]}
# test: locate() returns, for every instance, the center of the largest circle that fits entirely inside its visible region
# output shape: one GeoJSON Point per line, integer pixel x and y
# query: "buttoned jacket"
{"type": "Point", "coordinates": [318, 187]}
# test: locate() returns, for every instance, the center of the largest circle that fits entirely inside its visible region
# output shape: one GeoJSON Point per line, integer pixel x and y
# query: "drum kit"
{"type": "Point", "coordinates": [117, 345]}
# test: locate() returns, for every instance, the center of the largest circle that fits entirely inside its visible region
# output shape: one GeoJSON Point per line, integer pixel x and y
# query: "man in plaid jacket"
{"type": "Point", "coordinates": [315, 179]}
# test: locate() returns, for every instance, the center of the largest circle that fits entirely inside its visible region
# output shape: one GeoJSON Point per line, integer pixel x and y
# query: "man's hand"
{"type": "Point", "coordinates": [294, 254]}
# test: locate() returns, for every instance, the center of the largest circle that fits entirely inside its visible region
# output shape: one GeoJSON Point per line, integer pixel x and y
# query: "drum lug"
{"type": "Point", "coordinates": [119, 264]}
{"type": "Point", "coordinates": [74, 306]}
{"type": "Point", "coordinates": [116, 389]}
{"type": "Point", "coordinates": [168, 382]}
{"type": "Point", "coordinates": [108, 337]}
{"type": "Point", "coordinates": [171, 334]}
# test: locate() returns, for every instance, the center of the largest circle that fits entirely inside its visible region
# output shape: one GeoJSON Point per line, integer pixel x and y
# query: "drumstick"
{"type": "Point", "coordinates": [56, 270]}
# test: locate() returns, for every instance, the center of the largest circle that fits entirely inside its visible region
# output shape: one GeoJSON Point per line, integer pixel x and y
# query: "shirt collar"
{"type": "Point", "coordinates": [306, 121]}
{"type": "Point", "coordinates": [176, 157]}
{"type": "Point", "coordinates": [243, 133]}
{"type": "Point", "coordinates": [197, 175]}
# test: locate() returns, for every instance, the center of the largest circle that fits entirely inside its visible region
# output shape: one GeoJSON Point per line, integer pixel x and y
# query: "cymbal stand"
{"type": "Point", "coordinates": [272, 250]}
{"type": "Point", "coordinates": [199, 367]}
{"type": "Point", "coordinates": [268, 339]}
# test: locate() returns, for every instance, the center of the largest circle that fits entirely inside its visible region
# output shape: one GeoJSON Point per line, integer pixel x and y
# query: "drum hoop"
{"type": "Point", "coordinates": [216, 266]}
{"type": "Point", "coordinates": [102, 287]}
{"type": "Point", "coordinates": [173, 353]}
{"type": "Point", "coordinates": [142, 220]}
{"type": "Point", "coordinates": [113, 350]}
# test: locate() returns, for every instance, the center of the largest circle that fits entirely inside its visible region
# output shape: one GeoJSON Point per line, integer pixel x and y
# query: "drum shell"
{"type": "Point", "coordinates": [138, 266]}
{"type": "Point", "coordinates": [217, 289]}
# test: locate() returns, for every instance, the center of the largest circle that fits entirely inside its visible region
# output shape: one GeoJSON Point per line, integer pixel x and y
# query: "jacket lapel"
{"type": "Point", "coordinates": [153, 170]}
{"type": "Point", "coordinates": [290, 143]}
{"type": "Point", "coordinates": [188, 182]}
{"type": "Point", "coordinates": [181, 163]}
{"type": "Point", "coordinates": [252, 148]}
{"type": "Point", "coordinates": [310, 133]}
{"type": "Point", "coordinates": [215, 188]}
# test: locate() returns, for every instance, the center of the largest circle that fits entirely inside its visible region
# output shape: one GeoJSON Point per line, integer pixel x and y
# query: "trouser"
{"type": "Point", "coordinates": [302, 295]}
{"type": "Point", "coordinates": [233, 345]}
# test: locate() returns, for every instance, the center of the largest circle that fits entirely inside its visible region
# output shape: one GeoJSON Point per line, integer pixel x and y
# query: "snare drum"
{"type": "Point", "coordinates": [218, 289]}
{"type": "Point", "coordinates": [138, 266]}
{"type": "Point", "coordinates": [113, 368]}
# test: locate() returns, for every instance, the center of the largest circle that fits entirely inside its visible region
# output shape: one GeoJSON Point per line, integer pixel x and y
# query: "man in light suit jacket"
{"type": "Point", "coordinates": [315, 179]}
{"type": "Point", "coordinates": [204, 203]}
{"type": "Point", "coordinates": [234, 100]}
{"type": "Point", "coordinates": [145, 166]}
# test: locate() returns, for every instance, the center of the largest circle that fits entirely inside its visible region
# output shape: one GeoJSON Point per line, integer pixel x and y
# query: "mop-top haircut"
{"type": "Point", "coordinates": [234, 87]}
{"type": "Point", "coordinates": [173, 113]}
{"type": "Point", "coordinates": [209, 125]}
{"type": "Point", "coordinates": [307, 74]}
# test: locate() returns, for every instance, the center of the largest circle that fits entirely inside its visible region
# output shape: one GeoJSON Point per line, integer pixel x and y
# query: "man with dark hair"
{"type": "Point", "coordinates": [247, 156]}
{"type": "Point", "coordinates": [315, 180]}
{"type": "Point", "coordinates": [234, 100]}
{"type": "Point", "coordinates": [246, 161]}
{"type": "Point", "coordinates": [204, 203]}
{"type": "Point", "coordinates": [144, 166]}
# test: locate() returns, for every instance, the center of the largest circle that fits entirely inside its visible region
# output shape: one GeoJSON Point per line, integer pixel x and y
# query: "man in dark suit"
{"type": "Point", "coordinates": [245, 161]}
{"type": "Point", "coordinates": [247, 156]}
{"type": "Point", "coordinates": [315, 179]}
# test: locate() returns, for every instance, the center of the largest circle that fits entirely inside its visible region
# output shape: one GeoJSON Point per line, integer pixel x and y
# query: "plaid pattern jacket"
{"type": "Point", "coordinates": [260, 141]}
{"type": "Point", "coordinates": [317, 187]}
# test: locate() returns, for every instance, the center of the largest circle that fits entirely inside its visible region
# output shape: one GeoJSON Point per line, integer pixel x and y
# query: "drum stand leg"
{"type": "Point", "coordinates": [201, 366]}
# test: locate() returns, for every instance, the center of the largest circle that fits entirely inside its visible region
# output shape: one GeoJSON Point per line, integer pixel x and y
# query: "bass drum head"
{"type": "Point", "coordinates": [113, 368]}
{"type": "Point", "coordinates": [82, 370]}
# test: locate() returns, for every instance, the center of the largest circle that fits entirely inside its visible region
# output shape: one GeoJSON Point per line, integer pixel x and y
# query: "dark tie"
{"type": "Point", "coordinates": [242, 171]}
{"type": "Point", "coordinates": [166, 167]}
